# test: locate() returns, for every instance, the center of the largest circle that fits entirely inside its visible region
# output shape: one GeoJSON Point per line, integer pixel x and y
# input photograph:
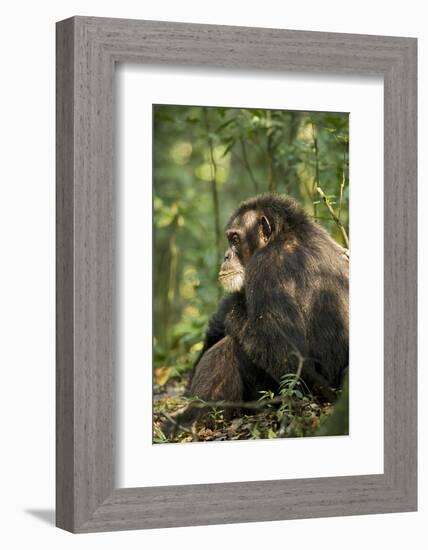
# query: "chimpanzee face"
{"type": "Point", "coordinates": [246, 234]}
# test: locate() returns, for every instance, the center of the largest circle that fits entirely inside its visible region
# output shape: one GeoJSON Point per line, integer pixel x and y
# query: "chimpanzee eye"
{"type": "Point", "coordinates": [235, 239]}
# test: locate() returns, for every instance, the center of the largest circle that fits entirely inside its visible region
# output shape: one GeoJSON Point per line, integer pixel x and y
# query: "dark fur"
{"type": "Point", "coordinates": [293, 307]}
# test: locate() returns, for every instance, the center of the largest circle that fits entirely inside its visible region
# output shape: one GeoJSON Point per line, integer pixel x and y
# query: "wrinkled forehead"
{"type": "Point", "coordinates": [244, 222]}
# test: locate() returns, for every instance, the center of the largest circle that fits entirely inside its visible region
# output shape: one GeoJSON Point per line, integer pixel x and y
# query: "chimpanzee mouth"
{"type": "Point", "coordinates": [230, 273]}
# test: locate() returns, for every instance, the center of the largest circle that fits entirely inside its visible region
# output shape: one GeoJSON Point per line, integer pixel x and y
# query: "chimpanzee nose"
{"type": "Point", "coordinates": [228, 255]}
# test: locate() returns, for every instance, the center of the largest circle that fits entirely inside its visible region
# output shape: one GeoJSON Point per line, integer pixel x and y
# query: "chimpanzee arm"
{"type": "Point", "coordinates": [270, 327]}
{"type": "Point", "coordinates": [216, 328]}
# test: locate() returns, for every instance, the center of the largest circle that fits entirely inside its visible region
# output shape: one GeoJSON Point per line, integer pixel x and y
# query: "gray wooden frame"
{"type": "Point", "coordinates": [87, 50]}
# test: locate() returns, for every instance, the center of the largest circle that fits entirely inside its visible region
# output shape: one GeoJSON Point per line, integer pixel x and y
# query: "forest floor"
{"type": "Point", "coordinates": [292, 413]}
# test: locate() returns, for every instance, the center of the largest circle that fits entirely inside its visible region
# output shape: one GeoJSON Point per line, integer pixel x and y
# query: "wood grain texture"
{"type": "Point", "coordinates": [87, 49]}
{"type": "Point", "coordinates": [64, 276]}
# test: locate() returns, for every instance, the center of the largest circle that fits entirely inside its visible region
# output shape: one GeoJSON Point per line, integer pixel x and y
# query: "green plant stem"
{"type": "Point", "coordinates": [334, 216]}
{"type": "Point", "coordinates": [247, 164]}
{"type": "Point", "coordinates": [317, 168]}
{"type": "Point", "coordinates": [214, 193]}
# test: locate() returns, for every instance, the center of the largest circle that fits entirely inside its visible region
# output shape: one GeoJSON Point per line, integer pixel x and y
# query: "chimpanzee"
{"type": "Point", "coordinates": [287, 307]}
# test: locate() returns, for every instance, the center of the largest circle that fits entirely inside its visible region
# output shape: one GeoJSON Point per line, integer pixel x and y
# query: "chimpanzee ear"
{"type": "Point", "coordinates": [266, 228]}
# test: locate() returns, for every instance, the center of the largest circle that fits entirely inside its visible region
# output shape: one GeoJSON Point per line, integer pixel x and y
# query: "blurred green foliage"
{"type": "Point", "coordinates": [205, 162]}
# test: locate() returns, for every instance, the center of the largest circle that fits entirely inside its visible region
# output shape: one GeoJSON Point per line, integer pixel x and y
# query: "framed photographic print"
{"type": "Point", "coordinates": [281, 268]}
{"type": "Point", "coordinates": [236, 274]}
